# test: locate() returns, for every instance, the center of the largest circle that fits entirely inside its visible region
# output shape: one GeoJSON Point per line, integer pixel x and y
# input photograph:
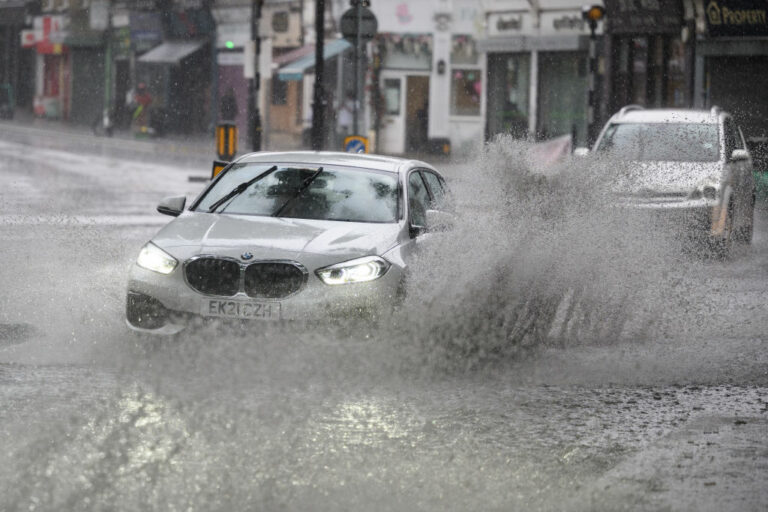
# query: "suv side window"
{"type": "Point", "coordinates": [436, 188]}
{"type": "Point", "coordinates": [418, 199]}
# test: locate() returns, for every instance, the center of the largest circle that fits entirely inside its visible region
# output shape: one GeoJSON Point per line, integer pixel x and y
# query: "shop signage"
{"type": "Point", "coordinates": [737, 18]}
{"type": "Point", "coordinates": [507, 23]}
{"type": "Point", "coordinates": [643, 16]}
{"type": "Point", "coordinates": [504, 24]}
{"type": "Point", "coordinates": [47, 34]}
{"type": "Point", "coordinates": [568, 23]}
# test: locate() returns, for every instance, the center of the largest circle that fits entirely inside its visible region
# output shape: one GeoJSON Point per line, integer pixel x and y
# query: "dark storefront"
{"type": "Point", "coordinates": [649, 61]}
{"type": "Point", "coordinates": [732, 62]}
{"type": "Point", "coordinates": [178, 72]}
{"type": "Point", "coordinates": [87, 68]}
{"type": "Point", "coordinates": [17, 65]}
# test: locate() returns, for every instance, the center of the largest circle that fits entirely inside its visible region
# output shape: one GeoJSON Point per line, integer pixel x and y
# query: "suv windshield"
{"type": "Point", "coordinates": [671, 142]}
{"type": "Point", "coordinates": [359, 195]}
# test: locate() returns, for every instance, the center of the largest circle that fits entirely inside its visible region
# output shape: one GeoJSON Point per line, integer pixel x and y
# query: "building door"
{"type": "Point", "coordinates": [417, 113]}
{"type": "Point", "coordinates": [393, 123]}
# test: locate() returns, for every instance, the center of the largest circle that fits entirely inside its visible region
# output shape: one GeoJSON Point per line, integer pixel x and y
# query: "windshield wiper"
{"type": "Point", "coordinates": [299, 190]}
{"type": "Point", "coordinates": [240, 189]}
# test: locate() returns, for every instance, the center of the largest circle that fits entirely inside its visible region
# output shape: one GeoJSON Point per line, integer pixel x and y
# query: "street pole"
{"type": "Point", "coordinates": [358, 4]}
{"type": "Point", "coordinates": [592, 14]}
{"type": "Point", "coordinates": [318, 112]}
{"type": "Point", "coordinates": [106, 114]}
{"type": "Point", "coordinates": [591, 93]}
{"type": "Point", "coordinates": [254, 84]}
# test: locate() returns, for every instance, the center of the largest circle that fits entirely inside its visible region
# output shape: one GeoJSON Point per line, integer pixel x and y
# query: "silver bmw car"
{"type": "Point", "coordinates": [287, 236]}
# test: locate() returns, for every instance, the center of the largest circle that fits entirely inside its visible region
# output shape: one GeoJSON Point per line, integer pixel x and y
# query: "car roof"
{"type": "Point", "coordinates": [667, 115]}
{"type": "Point", "coordinates": [376, 162]}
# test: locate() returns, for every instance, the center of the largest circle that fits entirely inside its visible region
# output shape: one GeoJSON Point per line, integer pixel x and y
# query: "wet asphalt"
{"type": "Point", "coordinates": [669, 418]}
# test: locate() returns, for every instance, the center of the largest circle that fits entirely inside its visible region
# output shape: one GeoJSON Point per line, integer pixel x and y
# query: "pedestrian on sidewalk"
{"type": "Point", "coordinates": [140, 103]}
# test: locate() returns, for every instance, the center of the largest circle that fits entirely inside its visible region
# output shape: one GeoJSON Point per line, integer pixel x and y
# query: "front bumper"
{"type": "Point", "coordinates": [166, 304]}
{"type": "Point", "coordinates": [693, 219]}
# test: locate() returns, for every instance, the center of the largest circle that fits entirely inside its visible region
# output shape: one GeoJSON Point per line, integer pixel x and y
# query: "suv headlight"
{"type": "Point", "coordinates": [154, 258]}
{"type": "Point", "coordinates": [360, 270]}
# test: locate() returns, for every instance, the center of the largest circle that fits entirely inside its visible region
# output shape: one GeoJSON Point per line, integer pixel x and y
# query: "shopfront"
{"type": "Point", "coordinates": [431, 76]}
{"type": "Point", "coordinates": [179, 72]}
{"type": "Point", "coordinates": [537, 74]}
{"type": "Point", "coordinates": [732, 62]}
{"type": "Point", "coordinates": [648, 59]}
{"type": "Point", "coordinates": [52, 65]}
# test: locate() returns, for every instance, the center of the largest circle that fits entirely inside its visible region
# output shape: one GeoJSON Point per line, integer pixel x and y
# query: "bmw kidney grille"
{"type": "Point", "coordinates": [263, 280]}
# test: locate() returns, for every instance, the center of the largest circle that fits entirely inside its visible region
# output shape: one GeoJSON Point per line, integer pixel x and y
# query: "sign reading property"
{"type": "Point", "coordinates": [737, 18]}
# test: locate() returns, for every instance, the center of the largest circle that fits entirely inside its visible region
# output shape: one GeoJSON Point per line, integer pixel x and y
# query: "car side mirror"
{"type": "Point", "coordinates": [739, 154]}
{"type": "Point", "coordinates": [415, 230]}
{"type": "Point", "coordinates": [440, 221]}
{"type": "Point", "coordinates": [172, 206]}
{"type": "Point", "coordinates": [581, 152]}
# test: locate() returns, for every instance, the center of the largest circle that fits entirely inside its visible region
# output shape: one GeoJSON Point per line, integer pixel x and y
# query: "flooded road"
{"type": "Point", "coordinates": [651, 395]}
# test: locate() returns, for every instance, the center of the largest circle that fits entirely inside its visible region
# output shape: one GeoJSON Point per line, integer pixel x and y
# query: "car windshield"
{"type": "Point", "coordinates": [670, 142]}
{"type": "Point", "coordinates": [358, 195]}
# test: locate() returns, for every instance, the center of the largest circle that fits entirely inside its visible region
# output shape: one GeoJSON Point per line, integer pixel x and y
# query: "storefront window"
{"type": "Point", "coordinates": [640, 70]}
{"type": "Point", "coordinates": [392, 96]}
{"type": "Point", "coordinates": [463, 50]}
{"type": "Point", "coordinates": [676, 74]}
{"type": "Point", "coordinates": [563, 102]}
{"type": "Point", "coordinates": [509, 78]}
{"type": "Point", "coordinates": [406, 51]}
{"type": "Point", "coordinates": [466, 86]}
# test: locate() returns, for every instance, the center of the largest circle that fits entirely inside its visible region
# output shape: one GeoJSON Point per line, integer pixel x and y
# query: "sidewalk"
{"type": "Point", "coordinates": [196, 150]}
{"type": "Point", "coordinates": [26, 129]}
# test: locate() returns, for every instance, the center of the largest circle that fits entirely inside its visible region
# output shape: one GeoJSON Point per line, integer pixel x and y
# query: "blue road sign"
{"type": "Point", "coordinates": [356, 144]}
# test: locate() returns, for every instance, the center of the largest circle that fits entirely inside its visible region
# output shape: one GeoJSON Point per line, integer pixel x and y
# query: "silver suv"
{"type": "Point", "coordinates": [692, 165]}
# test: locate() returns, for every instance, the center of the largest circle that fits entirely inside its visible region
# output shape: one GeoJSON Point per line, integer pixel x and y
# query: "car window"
{"type": "Point", "coordinates": [418, 199]}
{"type": "Point", "coordinates": [436, 188]}
{"type": "Point", "coordinates": [671, 142]}
{"type": "Point", "coordinates": [335, 194]}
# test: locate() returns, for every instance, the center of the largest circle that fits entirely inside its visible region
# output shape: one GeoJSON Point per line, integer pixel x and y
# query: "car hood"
{"type": "Point", "coordinates": [647, 178]}
{"type": "Point", "coordinates": [195, 233]}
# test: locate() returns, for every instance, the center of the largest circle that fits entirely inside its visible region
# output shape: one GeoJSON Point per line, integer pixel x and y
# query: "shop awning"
{"type": "Point", "coordinates": [171, 52]}
{"type": "Point", "coordinates": [295, 70]}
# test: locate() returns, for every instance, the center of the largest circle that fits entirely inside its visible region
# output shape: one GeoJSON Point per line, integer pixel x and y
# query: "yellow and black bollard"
{"type": "Point", "coordinates": [226, 146]}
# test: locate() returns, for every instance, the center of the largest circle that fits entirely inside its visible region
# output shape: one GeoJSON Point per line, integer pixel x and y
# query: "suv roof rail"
{"type": "Point", "coordinates": [715, 110]}
{"type": "Point", "coordinates": [626, 109]}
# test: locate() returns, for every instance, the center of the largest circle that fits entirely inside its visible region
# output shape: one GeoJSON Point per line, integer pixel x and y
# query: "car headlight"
{"type": "Point", "coordinates": [360, 270]}
{"type": "Point", "coordinates": [154, 258]}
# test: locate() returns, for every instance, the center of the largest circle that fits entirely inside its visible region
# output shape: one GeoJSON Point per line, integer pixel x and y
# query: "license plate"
{"type": "Point", "coordinates": [241, 309]}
